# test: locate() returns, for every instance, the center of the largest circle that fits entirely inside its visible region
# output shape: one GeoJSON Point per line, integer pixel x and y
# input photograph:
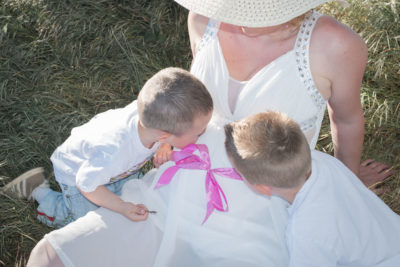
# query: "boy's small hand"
{"type": "Point", "coordinates": [162, 155]}
{"type": "Point", "coordinates": [134, 212]}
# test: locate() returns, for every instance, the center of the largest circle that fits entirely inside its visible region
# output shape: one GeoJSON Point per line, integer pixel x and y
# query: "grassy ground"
{"type": "Point", "coordinates": [63, 61]}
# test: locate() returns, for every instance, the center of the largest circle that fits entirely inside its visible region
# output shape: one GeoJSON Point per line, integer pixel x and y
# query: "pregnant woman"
{"type": "Point", "coordinates": [252, 56]}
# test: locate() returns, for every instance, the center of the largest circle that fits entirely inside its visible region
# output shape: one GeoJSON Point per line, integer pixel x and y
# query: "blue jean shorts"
{"type": "Point", "coordinates": [57, 209]}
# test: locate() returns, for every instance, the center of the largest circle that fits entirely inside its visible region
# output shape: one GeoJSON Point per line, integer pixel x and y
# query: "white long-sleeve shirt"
{"type": "Point", "coordinates": [336, 221]}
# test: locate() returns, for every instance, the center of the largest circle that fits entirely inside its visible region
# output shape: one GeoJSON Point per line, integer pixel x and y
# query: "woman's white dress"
{"type": "Point", "coordinates": [251, 232]}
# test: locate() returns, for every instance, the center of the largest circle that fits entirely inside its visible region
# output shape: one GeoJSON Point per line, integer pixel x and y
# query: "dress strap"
{"type": "Point", "coordinates": [211, 32]}
{"type": "Point", "coordinates": [302, 58]}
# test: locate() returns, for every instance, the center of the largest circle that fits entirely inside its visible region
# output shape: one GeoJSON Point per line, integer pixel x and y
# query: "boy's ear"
{"type": "Point", "coordinates": [264, 189]}
{"type": "Point", "coordinates": [163, 136]}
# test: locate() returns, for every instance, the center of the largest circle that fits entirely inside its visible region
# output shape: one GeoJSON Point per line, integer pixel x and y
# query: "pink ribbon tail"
{"type": "Point", "coordinates": [167, 176]}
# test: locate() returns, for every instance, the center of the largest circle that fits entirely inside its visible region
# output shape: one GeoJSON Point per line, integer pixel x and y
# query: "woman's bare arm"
{"type": "Point", "coordinates": [338, 59]}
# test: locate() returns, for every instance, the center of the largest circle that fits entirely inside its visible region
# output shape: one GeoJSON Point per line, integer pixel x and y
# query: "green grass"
{"type": "Point", "coordinates": [61, 62]}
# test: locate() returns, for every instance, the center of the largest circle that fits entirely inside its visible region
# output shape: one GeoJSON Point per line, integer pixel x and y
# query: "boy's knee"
{"type": "Point", "coordinates": [43, 255]}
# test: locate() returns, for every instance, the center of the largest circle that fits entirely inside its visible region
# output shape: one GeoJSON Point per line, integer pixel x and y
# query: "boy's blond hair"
{"type": "Point", "coordinates": [171, 99]}
{"type": "Point", "coordinates": [270, 149]}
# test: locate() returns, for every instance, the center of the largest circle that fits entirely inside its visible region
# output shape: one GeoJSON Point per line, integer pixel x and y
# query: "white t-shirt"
{"type": "Point", "coordinates": [336, 221]}
{"type": "Point", "coordinates": [101, 151]}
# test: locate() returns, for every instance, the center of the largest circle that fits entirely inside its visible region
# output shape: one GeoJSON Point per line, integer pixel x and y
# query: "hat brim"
{"type": "Point", "coordinates": [251, 13]}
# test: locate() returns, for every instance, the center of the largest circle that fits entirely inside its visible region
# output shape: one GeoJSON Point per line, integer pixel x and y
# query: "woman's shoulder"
{"type": "Point", "coordinates": [338, 56]}
{"type": "Point", "coordinates": [197, 23]}
{"type": "Point", "coordinates": [334, 38]}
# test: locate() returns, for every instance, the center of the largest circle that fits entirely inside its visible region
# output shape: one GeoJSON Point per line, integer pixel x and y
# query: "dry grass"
{"type": "Point", "coordinates": [61, 62]}
{"type": "Point", "coordinates": [378, 23]}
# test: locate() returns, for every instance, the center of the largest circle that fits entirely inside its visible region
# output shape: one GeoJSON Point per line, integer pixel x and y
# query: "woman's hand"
{"type": "Point", "coordinates": [162, 155]}
{"type": "Point", "coordinates": [374, 173]}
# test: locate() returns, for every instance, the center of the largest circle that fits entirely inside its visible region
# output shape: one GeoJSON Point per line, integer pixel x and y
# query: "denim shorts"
{"type": "Point", "coordinates": [57, 209]}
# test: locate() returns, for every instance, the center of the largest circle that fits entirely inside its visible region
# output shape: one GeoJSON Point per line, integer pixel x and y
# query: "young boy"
{"type": "Point", "coordinates": [334, 220]}
{"type": "Point", "coordinates": [173, 107]}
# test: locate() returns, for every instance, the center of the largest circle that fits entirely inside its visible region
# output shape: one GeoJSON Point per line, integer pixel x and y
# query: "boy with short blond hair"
{"type": "Point", "coordinates": [173, 107]}
{"type": "Point", "coordinates": [271, 152]}
{"type": "Point", "coordinates": [334, 220]}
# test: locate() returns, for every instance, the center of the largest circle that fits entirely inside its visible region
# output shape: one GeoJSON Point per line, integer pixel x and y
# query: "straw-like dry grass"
{"type": "Point", "coordinates": [62, 61]}
{"type": "Point", "coordinates": [378, 23]}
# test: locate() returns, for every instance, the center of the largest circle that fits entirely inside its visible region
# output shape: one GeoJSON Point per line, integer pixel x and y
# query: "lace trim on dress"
{"type": "Point", "coordinates": [302, 62]}
{"type": "Point", "coordinates": [302, 59]}
{"type": "Point", "coordinates": [308, 124]}
{"type": "Point", "coordinates": [211, 31]}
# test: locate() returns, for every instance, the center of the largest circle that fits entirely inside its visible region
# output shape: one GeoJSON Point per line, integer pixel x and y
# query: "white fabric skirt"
{"type": "Point", "coordinates": [250, 233]}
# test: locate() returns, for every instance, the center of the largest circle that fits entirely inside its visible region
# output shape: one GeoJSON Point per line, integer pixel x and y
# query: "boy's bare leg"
{"type": "Point", "coordinates": [43, 255]}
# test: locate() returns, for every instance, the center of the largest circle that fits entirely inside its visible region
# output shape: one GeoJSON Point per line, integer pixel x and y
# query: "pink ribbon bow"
{"type": "Point", "coordinates": [185, 159]}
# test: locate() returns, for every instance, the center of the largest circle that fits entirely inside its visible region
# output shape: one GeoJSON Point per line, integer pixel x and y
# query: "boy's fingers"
{"type": "Point", "coordinates": [143, 216]}
{"type": "Point", "coordinates": [161, 158]}
{"type": "Point", "coordinates": [165, 157]}
{"type": "Point", "coordinates": [141, 209]}
{"type": "Point", "coordinates": [156, 161]}
{"type": "Point", "coordinates": [155, 164]}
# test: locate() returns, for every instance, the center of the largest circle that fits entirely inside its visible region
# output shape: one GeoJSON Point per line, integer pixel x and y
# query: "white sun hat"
{"type": "Point", "coordinates": [251, 13]}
